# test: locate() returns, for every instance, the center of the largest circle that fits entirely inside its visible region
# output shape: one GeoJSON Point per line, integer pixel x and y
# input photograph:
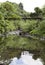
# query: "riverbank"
{"type": "Point", "coordinates": [21, 33]}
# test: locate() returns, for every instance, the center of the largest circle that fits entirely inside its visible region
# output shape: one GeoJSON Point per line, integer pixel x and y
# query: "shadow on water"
{"type": "Point", "coordinates": [12, 46]}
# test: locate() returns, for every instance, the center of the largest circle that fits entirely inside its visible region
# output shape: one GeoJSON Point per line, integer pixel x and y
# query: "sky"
{"type": "Point", "coordinates": [26, 59]}
{"type": "Point", "coordinates": [29, 5]}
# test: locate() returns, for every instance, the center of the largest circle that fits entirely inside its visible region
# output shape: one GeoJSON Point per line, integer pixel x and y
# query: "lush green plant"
{"type": "Point", "coordinates": [13, 11]}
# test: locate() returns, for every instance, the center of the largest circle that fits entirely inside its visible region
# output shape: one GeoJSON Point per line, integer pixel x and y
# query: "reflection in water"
{"type": "Point", "coordinates": [12, 46]}
{"type": "Point", "coordinates": [26, 59]}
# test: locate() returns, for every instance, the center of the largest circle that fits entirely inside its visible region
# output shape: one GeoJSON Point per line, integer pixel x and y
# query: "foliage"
{"type": "Point", "coordinates": [37, 13]}
{"type": "Point", "coordinates": [21, 6]}
{"type": "Point", "coordinates": [10, 11]}
{"type": "Point", "coordinates": [11, 15]}
{"type": "Point", "coordinates": [40, 30]}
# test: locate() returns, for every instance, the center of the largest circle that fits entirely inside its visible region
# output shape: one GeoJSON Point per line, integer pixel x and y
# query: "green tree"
{"type": "Point", "coordinates": [21, 6]}
{"type": "Point", "coordinates": [43, 10]}
{"type": "Point", "coordinates": [38, 12]}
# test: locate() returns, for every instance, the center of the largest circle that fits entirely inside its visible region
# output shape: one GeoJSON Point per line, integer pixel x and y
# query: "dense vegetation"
{"type": "Point", "coordinates": [11, 15]}
{"type": "Point", "coordinates": [13, 45]}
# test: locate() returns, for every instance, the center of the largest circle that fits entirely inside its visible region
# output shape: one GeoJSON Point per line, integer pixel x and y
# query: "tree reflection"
{"type": "Point", "coordinates": [9, 44]}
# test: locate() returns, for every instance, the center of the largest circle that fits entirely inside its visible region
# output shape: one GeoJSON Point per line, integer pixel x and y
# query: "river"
{"type": "Point", "coordinates": [18, 50]}
{"type": "Point", "coordinates": [26, 59]}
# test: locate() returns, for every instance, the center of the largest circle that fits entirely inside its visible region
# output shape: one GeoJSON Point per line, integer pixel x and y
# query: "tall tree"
{"type": "Point", "coordinates": [21, 6]}
{"type": "Point", "coordinates": [38, 12]}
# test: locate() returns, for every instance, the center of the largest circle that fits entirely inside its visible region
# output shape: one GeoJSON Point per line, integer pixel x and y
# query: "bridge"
{"type": "Point", "coordinates": [26, 18]}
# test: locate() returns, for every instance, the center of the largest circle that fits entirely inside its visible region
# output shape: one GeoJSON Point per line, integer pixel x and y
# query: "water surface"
{"type": "Point", "coordinates": [12, 46]}
{"type": "Point", "coordinates": [25, 59]}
